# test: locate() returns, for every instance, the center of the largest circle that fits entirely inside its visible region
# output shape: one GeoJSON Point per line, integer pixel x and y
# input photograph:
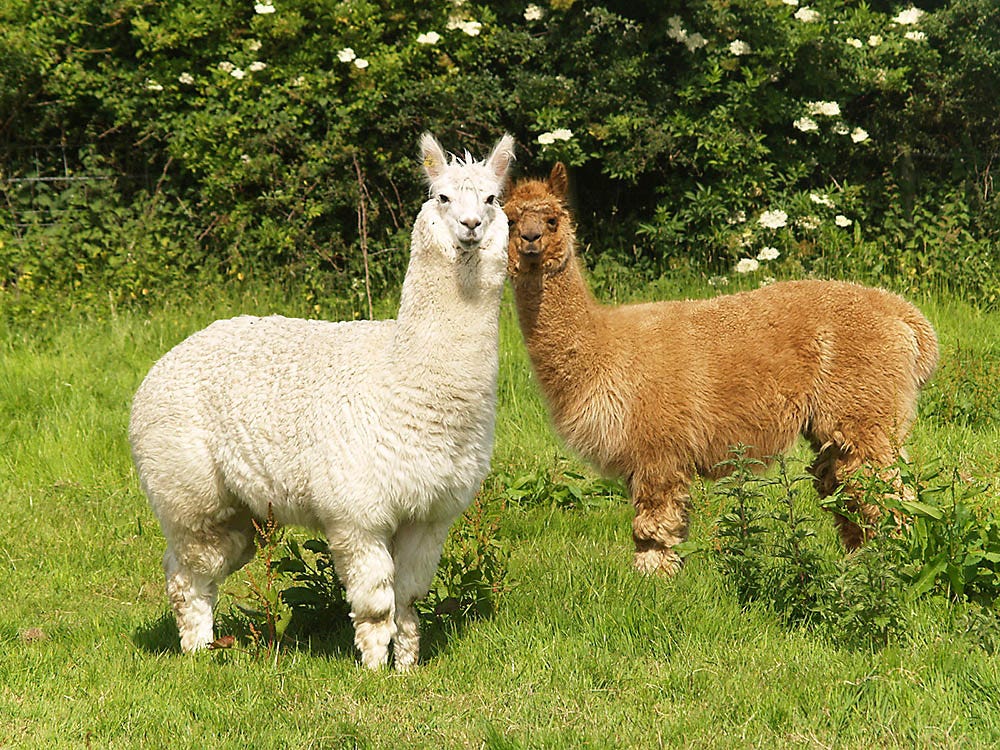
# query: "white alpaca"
{"type": "Point", "coordinates": [378, 433]}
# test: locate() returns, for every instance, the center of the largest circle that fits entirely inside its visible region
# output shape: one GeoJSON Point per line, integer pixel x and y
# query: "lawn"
{"type": "Point", "coordinates": [580, 652]}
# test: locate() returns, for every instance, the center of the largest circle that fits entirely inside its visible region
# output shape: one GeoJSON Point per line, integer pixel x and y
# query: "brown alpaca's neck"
{"type": "Point", "coordinates": [561, 324]}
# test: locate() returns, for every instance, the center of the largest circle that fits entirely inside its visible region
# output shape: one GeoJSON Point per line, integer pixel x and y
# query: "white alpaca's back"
{"type": "Point", "coordinates": [378, 433]}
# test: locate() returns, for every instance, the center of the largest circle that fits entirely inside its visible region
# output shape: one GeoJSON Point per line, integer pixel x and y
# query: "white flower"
{"type": "Point", "coordinates": [842, 221]}
{"type": "Point", "coordinates": [807, 15]}
{"type": "Point", "coordinates": [674, 29]}
{"type": "Point", "coordinates": [859, 135]}
{"type": "Point", "coordinates": [808, 222]}
{"type": "Point", "coordinates": [360, 63]}
{"type": "Point", "coordinates": [773, 219]}
{"type": "Point", "coordinates": [694, 41]}
{"type": "Point", "coordinates": [298, 81]}
{"type": "Point", "coordinates": [909, 16]}
{"type": "Point", "coordinates": [915, 36]}
{"type": "Point", "coordinates": [262, 9]}
{"type": "Point", "coordinates": [874, 40]}
{"type": "Point", "coordinates": [828, 109]}
{"type": "Point", "coordinates": [841, 129]}
{"type": "Point", "coordinates": [739, 47]}
{"type": "Point", "coordinates": [737, 218]}
{"type": "Point", "coordinates": [256, 66]}
{"type": "Point", "coordinates": [152, 85]}
{"type": "Point", "coordinates": [533, 13]}
{"type": "Point", "coordinates": [857, 43]}
{"type": "Point", "coordinates": [767, 280]}
{"type": "Point", "coordinates": [746, 265]}
{"type": "Point", "coordinates": [791, 2]}
{"type": "Point", "coordinates": [805, 124]}
{"type": "Point", "coordinates": [346, 55]}
{"type": "Point", "coordinates": [768, 253]}
{"type": "Point", "coordinates": [226, 67]}
{"type": "Point", "coordinates": [253, 45]}
{"type": "Point", "coordinates": [472, 28]}
{"type": "Point", "coordinates": [561, 134]}
{"type": "Point", "coordinates": [431, 37]}
{"type": "Point", "coordinates": [237, 73]}
{"type": "Point", "coordinates": [718, 281]}
{"type": "Point", "coordinates": [822, 200]}
{"type": "Point", "coordinates": [186, 78]}
{"type": "Point", "coordinates": [245, 158]}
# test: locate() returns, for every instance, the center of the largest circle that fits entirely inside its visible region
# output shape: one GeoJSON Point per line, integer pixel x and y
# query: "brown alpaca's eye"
{"type": "Point", "coordinates": [553, 223]}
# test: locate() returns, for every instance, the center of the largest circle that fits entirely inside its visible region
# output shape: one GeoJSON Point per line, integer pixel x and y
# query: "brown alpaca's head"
{"type": "Point", "coordinates": [541, 228]}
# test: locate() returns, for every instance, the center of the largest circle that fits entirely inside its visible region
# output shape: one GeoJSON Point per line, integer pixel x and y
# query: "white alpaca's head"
{"type": "Point", "coordinates": [465, 194]}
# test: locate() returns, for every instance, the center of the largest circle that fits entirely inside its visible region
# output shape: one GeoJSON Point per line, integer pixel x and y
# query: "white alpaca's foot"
{"type": "Point", "coordinates": [372, 639]}
{"type": "Point", "coordinates": [406, 643]}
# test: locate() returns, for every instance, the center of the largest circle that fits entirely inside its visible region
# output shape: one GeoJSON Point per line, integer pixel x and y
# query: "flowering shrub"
{"type": "Point", "coordinates": [278, 138]}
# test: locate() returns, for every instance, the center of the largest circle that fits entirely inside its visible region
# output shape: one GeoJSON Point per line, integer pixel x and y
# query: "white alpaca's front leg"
{"type": "Point", "coordinates": [365, 567]}
{"type": "Point", "coordinates": [192, 598]}
{"type": "Point", "coordinates": [417, 553]}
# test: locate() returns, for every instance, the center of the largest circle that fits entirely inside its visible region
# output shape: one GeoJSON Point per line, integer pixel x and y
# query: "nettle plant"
{"type": "Point", "coordinates": [931, 543]}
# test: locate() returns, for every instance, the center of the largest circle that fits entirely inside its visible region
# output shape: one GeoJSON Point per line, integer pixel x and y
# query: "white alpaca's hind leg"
{"type": "Point", "coordinates": [417, 549]}
{"type": "Point", "coordinates": [365, 567]}
{"type": "Point", "coordinates": [192, 598]}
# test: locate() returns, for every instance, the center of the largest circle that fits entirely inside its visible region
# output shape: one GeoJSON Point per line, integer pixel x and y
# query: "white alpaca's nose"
{"type": "Point", "coordinates": [472, 222]}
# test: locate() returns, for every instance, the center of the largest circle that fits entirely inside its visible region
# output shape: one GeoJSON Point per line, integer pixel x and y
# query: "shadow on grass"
{"type": "Point", "coordinates": [333, 639]}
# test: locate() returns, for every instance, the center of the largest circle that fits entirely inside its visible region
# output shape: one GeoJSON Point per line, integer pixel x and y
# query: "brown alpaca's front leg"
{"type": "Point", "coordinates": [661, 521]}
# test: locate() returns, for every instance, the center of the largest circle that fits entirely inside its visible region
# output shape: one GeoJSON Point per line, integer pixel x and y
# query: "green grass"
{"type": "Point", "coordinates": [580, 653]}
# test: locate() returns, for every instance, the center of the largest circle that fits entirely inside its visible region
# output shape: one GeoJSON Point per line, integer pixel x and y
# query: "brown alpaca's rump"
{"type": "Point", "coordinates": [659, 391]}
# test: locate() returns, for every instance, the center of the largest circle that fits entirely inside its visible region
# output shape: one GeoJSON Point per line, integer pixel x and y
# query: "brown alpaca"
{"type": "Point", "coordinates": [658, 392]}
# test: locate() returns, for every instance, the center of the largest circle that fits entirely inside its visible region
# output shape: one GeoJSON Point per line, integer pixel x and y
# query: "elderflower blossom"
{"type": "Point", "coordinates": [856, 43]}
{"type": "Point", "coordinates": [674, 29]}
{"type": "Point", "coordinates": [859, 135]}
{"type": "Point", "coordinates": [346, 55]}
{"type": "Point", "coordinates": [431, 37]}
{"type": "Point", "coordinates": [737, 218]}
{"type": "Point", "coordinates": [768, 253]}
{"type": "Point", "coordinates": [747, 265]}
{"type": "Point", "coordinates": [805, 124]}
{"type": "Point", "coordinates": [186, 78]}
{"type": "Point", "coordinates": [695, 41]}
{"type": "Point", "coordinates": [915, 36]}
{"type": "Point", "coordinates": [263, 9]}
{"type": "Point", "coordinates": [360, 63]}
{"type": "Point", "coordinates": [472, 28]}
{"type": "Point", "coordinates": [739, 47]}
{"type": "Point", "coordinates": [256, 66]}
{"type": "Point", "coordinates": [237, 73]}
{"type": "Point", "coordinates": [253, 45]}
{"type": "Point", "coordinates": [561, 134]}
{"type": "Point", "coordinates": [822, 200]}
{"type": "Point", "coordinates": [842, 221]}
{"type": "Point", "coordinates": [533, 13]}
{"type": "Point", "coordinates": [874, 40]}
{"type": "Point", "coordinates": [791, 2]}
{"type": "Point", "coordinates": [827, 109]}
{"type": "Point", "coordinates": [808, 223]}
{"type": "Point", "coordinates": [841, 129]}
{"type": "Point", "coordinates": [773, 219]}
{"type": "Point", "coordinates": [909, 16]}
{"type": "Point", "coordinates": [226, 67]}
{"type": "Point", "coordinates": [807, 15]}
{"type": "Point", "coordinates": [152, 85]}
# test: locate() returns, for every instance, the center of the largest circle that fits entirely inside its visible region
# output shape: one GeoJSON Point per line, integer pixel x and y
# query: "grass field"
{"type": "Point", "coordinates": [581, 652]}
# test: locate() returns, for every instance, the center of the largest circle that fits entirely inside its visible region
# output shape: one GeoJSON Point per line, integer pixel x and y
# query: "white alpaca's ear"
{"type": "Point", "coordinates": [502, 156]}
{"type": "Point", "coordinates": [432, 156]}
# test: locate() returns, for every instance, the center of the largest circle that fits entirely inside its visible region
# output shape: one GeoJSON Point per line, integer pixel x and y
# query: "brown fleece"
{"type": "Point", "coordinates": [660, 391]}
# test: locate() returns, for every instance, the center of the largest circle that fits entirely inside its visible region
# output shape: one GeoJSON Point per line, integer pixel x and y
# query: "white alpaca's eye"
{"type": "Point", "coordinates": [490, 200]}
{"type": "Point", "coordinates": [444, 198]}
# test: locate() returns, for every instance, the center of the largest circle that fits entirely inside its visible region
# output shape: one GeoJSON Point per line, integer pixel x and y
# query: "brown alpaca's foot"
{"type": "Point", "coordinates": [658, 560]}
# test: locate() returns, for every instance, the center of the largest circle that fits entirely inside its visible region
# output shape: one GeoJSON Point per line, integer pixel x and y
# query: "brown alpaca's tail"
{"type": "Point", "coordinates": [927, 346]}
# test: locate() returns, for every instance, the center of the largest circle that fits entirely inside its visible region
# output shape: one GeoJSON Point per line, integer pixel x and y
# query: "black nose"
{"type": "Point", "coordinates": [530, 236]}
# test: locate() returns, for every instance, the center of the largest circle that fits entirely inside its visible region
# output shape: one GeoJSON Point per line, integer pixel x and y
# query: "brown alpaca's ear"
{"type": "Point", "coordinates": [559, 180]}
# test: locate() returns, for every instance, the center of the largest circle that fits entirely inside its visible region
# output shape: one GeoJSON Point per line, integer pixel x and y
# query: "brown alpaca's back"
{"type": "Point", "coordinates": [657, 392]}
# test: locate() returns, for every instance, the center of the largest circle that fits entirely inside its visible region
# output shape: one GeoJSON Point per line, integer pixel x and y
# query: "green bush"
{"type": "Point", "coordinates": [278, 139]}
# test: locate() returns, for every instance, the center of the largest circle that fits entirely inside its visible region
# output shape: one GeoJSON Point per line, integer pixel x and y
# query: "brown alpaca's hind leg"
{"type": "Point", "coordinates": [832, 468]}
{"type": "Point", "coordinates": [661, 521]}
